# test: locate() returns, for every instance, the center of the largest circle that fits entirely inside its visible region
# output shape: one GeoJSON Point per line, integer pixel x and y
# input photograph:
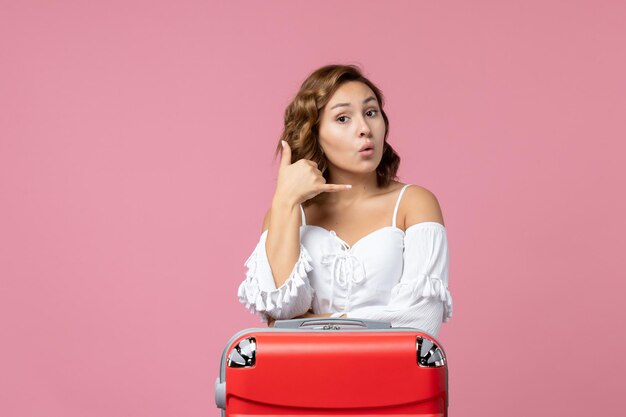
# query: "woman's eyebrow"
{"type": "Point", "coordinates": [348, 104]}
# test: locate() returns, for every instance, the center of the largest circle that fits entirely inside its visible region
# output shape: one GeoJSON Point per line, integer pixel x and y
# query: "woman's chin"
{"type": "Point", "coordinates": [368, 165]}
{"type": "Point", "coordinates": [363, 167]}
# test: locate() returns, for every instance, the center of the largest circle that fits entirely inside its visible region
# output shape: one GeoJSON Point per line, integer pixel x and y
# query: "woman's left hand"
{"type": "Point", "coordinates": [308, 314]}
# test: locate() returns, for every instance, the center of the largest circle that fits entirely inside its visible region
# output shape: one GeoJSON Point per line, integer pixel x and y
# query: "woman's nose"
{"type": "Point", "coordinates": [364, 128]}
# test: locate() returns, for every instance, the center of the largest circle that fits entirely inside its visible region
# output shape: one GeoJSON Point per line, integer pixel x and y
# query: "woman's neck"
{"type": "Point", "coordinates": [363, 186]}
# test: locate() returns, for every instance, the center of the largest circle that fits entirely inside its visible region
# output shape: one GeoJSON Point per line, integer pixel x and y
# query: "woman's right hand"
{"type": "Point", "coordinates": [301, 181]}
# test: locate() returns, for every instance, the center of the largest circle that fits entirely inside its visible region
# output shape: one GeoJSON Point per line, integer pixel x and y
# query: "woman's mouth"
{"type": "Point", "coordinates": [367, 152]}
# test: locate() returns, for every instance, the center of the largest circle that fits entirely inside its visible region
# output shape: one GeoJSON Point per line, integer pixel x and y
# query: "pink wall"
{"type": "Point", "coordinates": [136, 143]}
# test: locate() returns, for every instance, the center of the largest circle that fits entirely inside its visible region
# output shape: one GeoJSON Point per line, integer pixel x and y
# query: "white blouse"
{"type": "Point", "coordinates": [390, 274]}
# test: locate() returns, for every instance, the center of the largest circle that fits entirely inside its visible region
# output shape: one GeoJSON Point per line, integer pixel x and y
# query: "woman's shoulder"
{"type": "Point", "coordinates": [418, 205]}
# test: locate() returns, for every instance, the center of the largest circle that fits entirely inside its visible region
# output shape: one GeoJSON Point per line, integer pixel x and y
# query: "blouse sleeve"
{"type": "Point", "coordinates": [259, 293]}
{"type": "Point", "coordinates": [421, 299]}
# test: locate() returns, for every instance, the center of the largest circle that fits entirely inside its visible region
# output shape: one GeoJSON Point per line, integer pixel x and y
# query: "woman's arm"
{"type": "Point", "coordinates": [283, 237]}
{"type": "Point", "coordinates": [305, 316]}
{"type": "Point", "coordinates": [421, 299]}
{"type": "Point", "coordinates": [308, 314]}
{"type": "Point", "coordinates": [297, 182]}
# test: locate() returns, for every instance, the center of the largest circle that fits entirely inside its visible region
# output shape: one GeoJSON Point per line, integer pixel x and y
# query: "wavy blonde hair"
{"type": "Point", "coordinates": [302, 118]}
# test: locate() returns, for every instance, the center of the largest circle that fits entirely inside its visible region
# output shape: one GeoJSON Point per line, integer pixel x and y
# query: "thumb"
{"type": "Point", "coordinates": [285, 160]}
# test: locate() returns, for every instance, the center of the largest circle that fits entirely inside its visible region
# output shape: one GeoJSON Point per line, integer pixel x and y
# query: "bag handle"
{"type": "Point", "coordinates": [331, 324]}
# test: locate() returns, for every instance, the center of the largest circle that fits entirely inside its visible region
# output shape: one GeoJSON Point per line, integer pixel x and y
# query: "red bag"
{"type": "Point", "coordinates": [332, 367]}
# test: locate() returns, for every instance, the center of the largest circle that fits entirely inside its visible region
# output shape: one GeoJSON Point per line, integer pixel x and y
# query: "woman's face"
{"type": "Point", "coordinates": [350, 122]}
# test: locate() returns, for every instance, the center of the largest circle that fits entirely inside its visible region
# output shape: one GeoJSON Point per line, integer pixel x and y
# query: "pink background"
{"type": "Point", "coordinates": [136, 142]}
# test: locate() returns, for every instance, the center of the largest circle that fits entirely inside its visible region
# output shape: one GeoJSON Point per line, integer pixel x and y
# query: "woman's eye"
{"type": "Point", "coordinates": [374, 111]}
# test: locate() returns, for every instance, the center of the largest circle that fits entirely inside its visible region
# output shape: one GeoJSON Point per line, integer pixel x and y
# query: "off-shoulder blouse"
{"type": "Point", "coordinates": [390, 274]}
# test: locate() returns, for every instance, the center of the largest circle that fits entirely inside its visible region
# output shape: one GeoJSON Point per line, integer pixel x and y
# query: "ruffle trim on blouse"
{"type": "Point", "coordinates": [434, 287]}
{"type": "Point", "coordinates": [257, 300]}
{"type": "Point", "coordinates": [428, 286]}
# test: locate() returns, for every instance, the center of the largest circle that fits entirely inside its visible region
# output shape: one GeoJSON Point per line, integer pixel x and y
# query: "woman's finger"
{"type": "Point", "coordinates": [332, 188]}
{"type": "Point", "coordinates": [285, 159]}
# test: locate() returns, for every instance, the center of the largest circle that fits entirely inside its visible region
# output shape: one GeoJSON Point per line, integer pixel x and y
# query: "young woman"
{"type": "Point", "coordinates": [342, 238]}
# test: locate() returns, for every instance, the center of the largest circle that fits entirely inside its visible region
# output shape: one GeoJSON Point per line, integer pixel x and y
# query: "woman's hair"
{"type": "Point", "coordinates": [302, 119]}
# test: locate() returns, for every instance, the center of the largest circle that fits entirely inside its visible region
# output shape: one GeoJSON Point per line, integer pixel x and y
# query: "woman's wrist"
{"type": "Point", "coordinates": [283, 203]}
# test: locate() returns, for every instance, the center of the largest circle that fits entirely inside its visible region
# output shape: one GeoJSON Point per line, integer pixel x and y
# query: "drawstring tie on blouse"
{"type": "Point", "coordinates": [434, 287]}
{"type": "Point", "coordinates": [345, 268]}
